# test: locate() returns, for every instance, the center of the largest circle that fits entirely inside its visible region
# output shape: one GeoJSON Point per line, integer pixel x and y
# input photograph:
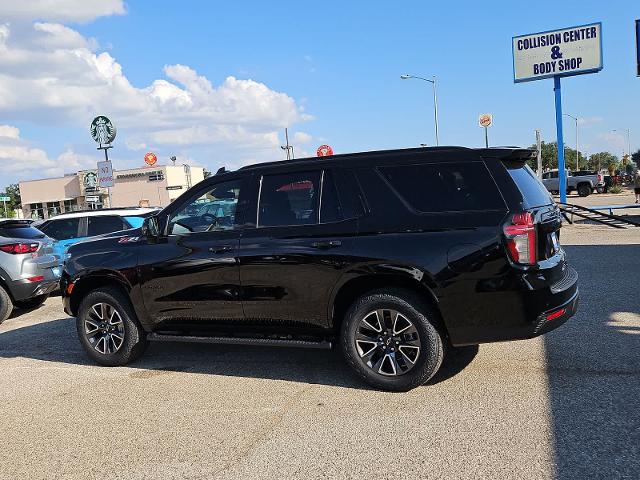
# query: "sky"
{"type": "Point", "coordinates": [215, 83]}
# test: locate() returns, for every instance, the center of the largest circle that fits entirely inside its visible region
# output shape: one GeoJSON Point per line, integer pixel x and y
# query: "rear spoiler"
{"type": "Point", "coordinates": [508, 154]}
{"type": "Point", "coordinates": [15, 222]}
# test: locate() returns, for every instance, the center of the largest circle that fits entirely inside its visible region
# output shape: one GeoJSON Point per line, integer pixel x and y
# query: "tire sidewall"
{"type": "Point", "coordinates": [431, 349]}
{"type": "Point", "coordinates": [134, 337]}
{"type": "Point", "coordinates": [6, 305]}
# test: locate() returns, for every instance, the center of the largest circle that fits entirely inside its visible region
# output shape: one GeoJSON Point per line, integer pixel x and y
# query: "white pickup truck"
{"type": "Point", "coordinates": [583, 184]}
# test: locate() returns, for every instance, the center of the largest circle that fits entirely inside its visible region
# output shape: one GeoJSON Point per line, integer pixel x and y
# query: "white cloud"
{"type": "Point", "coordinates": [302, 137]}
{"type": "Point", "coordinates": [21, 160]}
{"type": "Point", "coordinates": [588, 121]}
{"type": "Point", "coordinates": [60, 10]}
{"type": "Point", "coordinates": [50, 74]}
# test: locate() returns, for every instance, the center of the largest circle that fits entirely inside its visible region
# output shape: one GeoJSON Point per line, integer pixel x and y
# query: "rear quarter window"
{"type": "Point", "coordinates": [534, 193]}
{"type": "Point", "coordinates": [444, 187]}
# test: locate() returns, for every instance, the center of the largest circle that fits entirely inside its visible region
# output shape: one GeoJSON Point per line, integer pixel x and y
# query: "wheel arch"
{"type": "Point", "coordinates": [93, 281]}
{"type": "Point", "coordinates": [349, 291]}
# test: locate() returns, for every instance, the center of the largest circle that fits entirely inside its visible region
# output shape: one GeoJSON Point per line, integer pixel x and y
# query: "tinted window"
{"type": "Point", "coordinates": [19, 231]}
{"type": "Point", "coordinates": [533, 191]}
{"type": "Point", "coordinates": [330, 208]}
{"type": "Point", "coordinates": [104, 224]}
{"type": "Point", "coordinates": [62, 229]}
{"type": "Point", "coordinates": [442, 187]}
{"type": "Point", "coordinates": [289, 199]}
{"type": "Point", "coordinates": [215, 209]}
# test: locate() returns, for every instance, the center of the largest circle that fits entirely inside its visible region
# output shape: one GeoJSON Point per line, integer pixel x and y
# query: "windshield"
{"type": "Point", "coordinates": [533, 191]}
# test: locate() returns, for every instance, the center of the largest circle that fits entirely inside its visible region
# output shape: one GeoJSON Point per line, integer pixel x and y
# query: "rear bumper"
{"type": "Point", "coordinates": [526, 313]}
{"type": "Point", "coordinates": [24, 290]}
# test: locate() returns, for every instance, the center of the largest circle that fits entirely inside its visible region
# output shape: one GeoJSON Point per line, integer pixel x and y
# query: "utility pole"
{"type": "Point", "coordinates": [287, 147]}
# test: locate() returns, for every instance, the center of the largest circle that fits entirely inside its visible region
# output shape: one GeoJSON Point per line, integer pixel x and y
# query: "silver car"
{"type": "Point", "coordinates": [29, 270]}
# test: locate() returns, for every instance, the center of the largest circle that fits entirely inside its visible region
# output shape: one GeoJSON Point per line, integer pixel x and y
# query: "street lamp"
{"type": "Point", "coordinates": [577, 145]}
{"type": "Point", "coordinates": [435, 98]}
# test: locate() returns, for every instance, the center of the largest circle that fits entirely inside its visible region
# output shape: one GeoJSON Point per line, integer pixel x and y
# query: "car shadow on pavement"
{"type": "Point", "coordinates": [593, 367]}
{"type": "Point", "coordinates": [56, 341]}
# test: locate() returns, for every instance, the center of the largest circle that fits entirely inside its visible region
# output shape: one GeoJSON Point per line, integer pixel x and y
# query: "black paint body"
{"type": "Point", "coordinates": [299, 280]}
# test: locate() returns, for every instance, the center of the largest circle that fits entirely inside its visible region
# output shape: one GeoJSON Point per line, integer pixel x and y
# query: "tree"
{"type": "Point", "coordinates": [13, 192]}
{"type": "Point", "coordinates": [550, 157]}
{"type": "Point", "coordinates": [601, 160]}
{"type": "Point", "coordinates": [636, 158]}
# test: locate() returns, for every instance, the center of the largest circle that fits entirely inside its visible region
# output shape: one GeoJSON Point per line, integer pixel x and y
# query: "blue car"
{"type": "Point", "coordinates": [70, 228]}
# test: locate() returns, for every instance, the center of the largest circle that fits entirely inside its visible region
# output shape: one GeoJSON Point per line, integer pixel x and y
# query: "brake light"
{"type": "Point", "coordinates": [521, 239]}
{"type": "Point", "coordinates": [600, 178]}
{"type": "Point", "coordinates": [20, 248]}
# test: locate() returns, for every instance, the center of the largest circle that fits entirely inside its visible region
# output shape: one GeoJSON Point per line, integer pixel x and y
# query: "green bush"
{"type": "Point", "coordinates": [616, 189]}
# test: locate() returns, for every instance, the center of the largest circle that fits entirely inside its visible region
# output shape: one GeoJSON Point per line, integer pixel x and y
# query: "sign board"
{"type": "Point", "coordinates": [324, 151]}
{"type": "Point", "coordinates": [5, 199]}
{"type": "Point", "coordinates": [102, 130]}
{"type": "Point", "coordinates": [92, 199]}
{"type": "Point", "coordinates": [557, 53]}
{"type": "Point", "coordinates": [150, 159]}
{"type": "Point", "coordinates": [638, 45]}
{"type": "Point", "coordinates": [175, 187]}
{"type": "Point", "coordinates": [485, 120]}
{"type": "Point", "coordinates": [105, 174]}
{"type": "Point", "coordinates": [90, 180]}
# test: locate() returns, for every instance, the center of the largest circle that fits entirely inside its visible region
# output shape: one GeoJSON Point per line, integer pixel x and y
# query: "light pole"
{"type": "Point", "coordinates": [435, 98]}
{"type": "Point", "coordinates": [577, 144]}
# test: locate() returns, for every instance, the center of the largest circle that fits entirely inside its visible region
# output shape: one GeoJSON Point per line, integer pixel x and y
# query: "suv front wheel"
{"type": "Point", "coordinates": [389, 339]}
{"type": "Point", "coordinates": [108, 328]}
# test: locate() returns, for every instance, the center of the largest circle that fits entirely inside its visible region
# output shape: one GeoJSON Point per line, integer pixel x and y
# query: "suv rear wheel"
{"type": "Point", "coordinates": [389, 339]}
{"type": "Point", "coordinates": [108, 328]}
{"type": "Point", "coordinates": [6, 305]}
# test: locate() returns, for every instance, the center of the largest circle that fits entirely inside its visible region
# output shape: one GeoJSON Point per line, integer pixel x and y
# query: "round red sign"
{"type": "Point", "coordinates": [324, 151]}
{"type": "Point", "coordinates": [150, 159]}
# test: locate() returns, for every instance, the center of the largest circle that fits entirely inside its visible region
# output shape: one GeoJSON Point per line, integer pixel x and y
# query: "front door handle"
{"type": "Point", "coordinates": [221, 249]}
{"type": "Point", "coordinates": [327, 244]}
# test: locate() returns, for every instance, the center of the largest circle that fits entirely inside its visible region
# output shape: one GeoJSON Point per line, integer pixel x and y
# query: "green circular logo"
{"type": "Point", "coordinates": [102, 130]}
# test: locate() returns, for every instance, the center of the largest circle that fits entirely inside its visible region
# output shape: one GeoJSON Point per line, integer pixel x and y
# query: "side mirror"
{"type": "Point", "coordinates": [150, 227]}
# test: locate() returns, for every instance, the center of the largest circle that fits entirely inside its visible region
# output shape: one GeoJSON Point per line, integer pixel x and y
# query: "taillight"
{"type": "Point", "coordinates": [19, 248]}
{"type": "Point", "coordinates": [600, 178]}
{"type": "Point", "coordinates": [521, 239]}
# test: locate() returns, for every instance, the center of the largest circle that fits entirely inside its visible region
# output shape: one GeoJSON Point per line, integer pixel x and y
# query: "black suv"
{"type": "Point", "coordinates": [394, 255]}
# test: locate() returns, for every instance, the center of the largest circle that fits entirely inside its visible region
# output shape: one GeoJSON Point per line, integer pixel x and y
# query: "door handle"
{"type": "Point", "coordinates": [221, 249]}
{"type": "Point", "coordinates": [327, 244]}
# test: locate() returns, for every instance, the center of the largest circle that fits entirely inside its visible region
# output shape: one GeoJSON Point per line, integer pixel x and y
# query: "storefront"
{"type": "Point", "coordinates": [148, 186]}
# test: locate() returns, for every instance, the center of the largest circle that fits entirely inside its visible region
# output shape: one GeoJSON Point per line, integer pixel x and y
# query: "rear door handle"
{"type": "Point", "coordinates": [327, 244]}
{"type": "Point", "coordinates": [221, 249]}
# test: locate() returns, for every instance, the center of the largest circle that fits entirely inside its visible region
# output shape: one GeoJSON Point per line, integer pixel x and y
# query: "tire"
{"type": "Point", "coordinates": [31, 302]}
{"type": "Point", "coordinates": [584, 190]}
{"type": "Point", "coordinates": [600, 190]}
{"type": "Point", "coordinates": [118, 338]}
{"type": "Point", "coordinates": [6, 305]}
{"type": "Point", "coordinates": [412, 368]}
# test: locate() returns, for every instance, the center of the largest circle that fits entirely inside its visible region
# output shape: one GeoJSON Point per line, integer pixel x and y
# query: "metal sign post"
{"type": "Point", "coordinates": [555, 54]}
{"type": "Point", "coordinates": [485, 121]}
{"type": "Point", "coordinates": [539, 153]}
{"type": "Point", "coordinates": [104, 133]}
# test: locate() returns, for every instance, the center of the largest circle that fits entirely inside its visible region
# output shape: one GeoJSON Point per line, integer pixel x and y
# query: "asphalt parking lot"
{"type": "Point", "coordinates": [561, 406]}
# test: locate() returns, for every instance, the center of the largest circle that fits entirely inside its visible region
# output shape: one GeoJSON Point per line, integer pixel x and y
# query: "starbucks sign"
{"type": "Point", "coordinates": [102, 130]}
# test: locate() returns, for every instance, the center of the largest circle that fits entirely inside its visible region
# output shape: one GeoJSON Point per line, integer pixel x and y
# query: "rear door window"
{"type": "Point", "coordinates": [444, 187]}
{"type": "Point", "coordinates": [533, 191]}
{"type": "Point", "coordinates": [102, 224]}
{"type": "Point", "coordinates": [289, 199]}
{"type": "Point", "coordinates": [62, 229]}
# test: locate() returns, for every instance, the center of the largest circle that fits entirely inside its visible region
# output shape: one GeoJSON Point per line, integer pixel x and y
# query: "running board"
{"type": "Point", "coordinates": [259, 342]}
